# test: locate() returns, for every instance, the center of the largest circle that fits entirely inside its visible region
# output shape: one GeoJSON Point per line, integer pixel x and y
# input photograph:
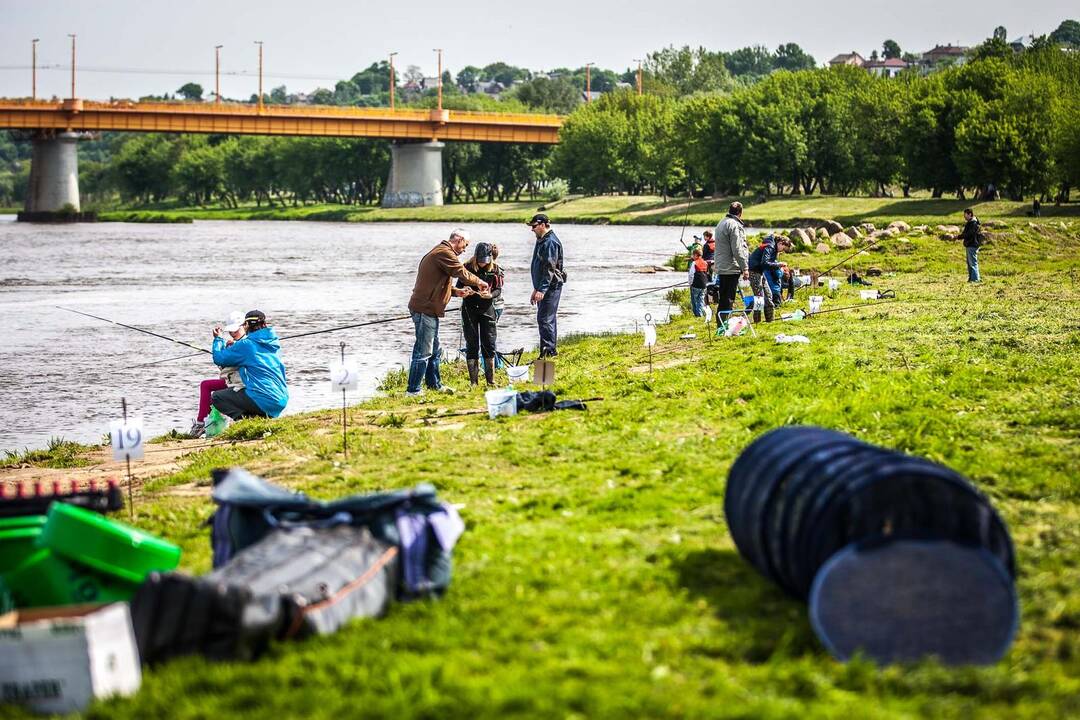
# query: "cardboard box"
{"type": "Point", "coordinates": [56, 660]}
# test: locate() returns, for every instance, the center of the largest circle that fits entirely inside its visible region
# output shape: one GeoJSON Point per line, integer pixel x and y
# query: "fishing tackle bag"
{"type": "Point", "coordinates": [292, 584]}
{"type": "Point", "coordinates": [423, 529]}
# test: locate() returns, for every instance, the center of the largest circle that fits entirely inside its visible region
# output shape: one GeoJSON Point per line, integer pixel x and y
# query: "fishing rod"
{"type": "Point", "coordinates": [293, 337]}
{"type": "Point", "coordinates": [647, 292]}
{"type": "Point", "coordinates": [620, 291]}
{"type": "Point", "coordinates": [686, 217]}
{"type": "Point", "coordinates": [137, 329]}
{"type": "Point", "coordinates": [850, 307]}
{"type": "Point", "coordinates": [861, 250]}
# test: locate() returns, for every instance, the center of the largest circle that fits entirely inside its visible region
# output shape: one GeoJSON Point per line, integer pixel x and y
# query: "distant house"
{"type": "Point", "coordinates": [890, 67]}
{"type": "Point", "coordinates": [489, 87]}
{"type": "Point", "coordinates": [954, 54]}
{"type": "Point", "coordinates": [851, 58]}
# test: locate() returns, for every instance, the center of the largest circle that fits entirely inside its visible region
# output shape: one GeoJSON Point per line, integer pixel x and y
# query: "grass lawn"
{"type": "Point", "coordinates": [597, 577]}
{"type": "Point", "coordinates": [624, 209]}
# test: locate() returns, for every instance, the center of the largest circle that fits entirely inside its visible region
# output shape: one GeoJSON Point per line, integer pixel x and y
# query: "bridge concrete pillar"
{"type": "Point", "coordinates": [54, 176]}
{"type": "Point", "coordinates": [415, 175]}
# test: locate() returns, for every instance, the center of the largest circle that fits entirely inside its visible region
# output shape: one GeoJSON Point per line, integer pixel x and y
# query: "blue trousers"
{"type": "Point", "coordinates": [973, 264]}
{"type": "Point", "coordinates": [425, 353]}
{"type": "Point", "coordinates": [697, 301]}
{"type": "Point", "coordinates": [547, 311]}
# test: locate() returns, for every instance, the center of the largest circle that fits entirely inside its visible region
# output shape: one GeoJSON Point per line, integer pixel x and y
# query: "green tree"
{"type": "Point", "coordinates": [279, 95]}
{"type": "Point", "coordinates": [891, 50]}
{"type": "Point", "coordinates": [792, 57]}
{"type": "Point", "coordinates": [467, 78]}
{"type": "Point", "coordinates": [505, 75]}
{"type": "Point", "coordinates": [200, 171]}
{"type": "Point", "coordinates": [558, 96]}
{"type": "Point", "coordinates": [753, 61]}
{"type": "Point", "coordinates": [1000, 34]}
{"type": "Point", "coordinates": [191, 91]}
{"type": "Point", "coordinates": [689, 71]}
{"type": "Point", "coordinates": [1067, 33]}
{"type": "Point", "coordinates": [142, 168]}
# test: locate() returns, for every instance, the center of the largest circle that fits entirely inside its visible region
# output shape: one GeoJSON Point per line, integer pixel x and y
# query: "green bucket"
{"type": "Point", "coordinates": [105, 546]}
{"type": "Point", "coordinates": [17, 536]}
{"type": "Point", "coordinates": [45, 578]}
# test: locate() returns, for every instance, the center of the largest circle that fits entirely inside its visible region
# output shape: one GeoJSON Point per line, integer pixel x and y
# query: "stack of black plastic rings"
{"type": "Point", "coordinates": [899, 558]}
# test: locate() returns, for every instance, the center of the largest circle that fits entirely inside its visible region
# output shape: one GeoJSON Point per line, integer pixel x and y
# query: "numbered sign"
{"type": "Point", "coordinates": [543, 371]}
{"type": "Point", "coordinates": [759, 303]}
{"type": "Point", "coordinates": [344, 375]}
{"type": "Point", "coordinates": [650, 336]}
{"type": "Point", "coordinates": [127, 439]}
{"type": "Point", "coordinates": [708, 314]}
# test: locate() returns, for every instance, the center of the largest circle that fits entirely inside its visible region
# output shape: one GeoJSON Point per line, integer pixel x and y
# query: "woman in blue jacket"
{"type": "Point", "coordinates": [265, 392]}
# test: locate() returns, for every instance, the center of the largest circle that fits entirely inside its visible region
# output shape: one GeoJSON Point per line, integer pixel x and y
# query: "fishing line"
{"type": "Point", "coordinates": [137, 329]}
{"type": "Point", "coordinates": [648, 292]}
{"type": "Point", "coordinates": [849, 257]}
{"type": "Point", "coordinates": [686, 217]}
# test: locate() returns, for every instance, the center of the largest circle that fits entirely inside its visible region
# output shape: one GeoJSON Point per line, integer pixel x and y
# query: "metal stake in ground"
{"type": "Point", "coordinates": [343, 377]}
{"type": "Point", "coordinates": [344, 415]}
{"type": "Point", "coordinates": [127, 444]}
{"type": "Point", "coordinates": [650, 337]}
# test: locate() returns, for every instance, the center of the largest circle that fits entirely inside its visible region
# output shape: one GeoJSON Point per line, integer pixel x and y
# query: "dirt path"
{"type": "Point", "coordinates": [159, 459]}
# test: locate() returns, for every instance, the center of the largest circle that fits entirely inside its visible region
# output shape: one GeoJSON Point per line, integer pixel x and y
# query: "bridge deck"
{"type": "Point", "coordinates": [310, 120]}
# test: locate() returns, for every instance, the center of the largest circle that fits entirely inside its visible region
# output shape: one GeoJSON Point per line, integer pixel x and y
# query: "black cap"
{"type": "Point", "coordinates": [254, 317]}
{"type": "Point", "coordinates": [483, 252]}
{"type": "Point", "coordinates": [539, 219]}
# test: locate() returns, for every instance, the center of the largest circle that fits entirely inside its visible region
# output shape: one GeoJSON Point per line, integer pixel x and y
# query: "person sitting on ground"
{"type": "Point", "coordinates": [478, 319]}
{"type": "Point", "coordinates": [697, 274]}
{"type": "Point", "coordinates": [230, 376]}
{"type": "Point", "coordinates": [763, 262]}
{"type": "Point", "coordinates": [256, 357]}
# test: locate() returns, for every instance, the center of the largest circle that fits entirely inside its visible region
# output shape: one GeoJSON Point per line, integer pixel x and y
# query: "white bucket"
{"type": "Point", "coordinates": [868, 294]}
{"type": "Point", "coordinates": [518, 373]}
{"type": "Point", "coordinates": [815, 303]}
{"type": "Point", "coordinates": [501, 402]}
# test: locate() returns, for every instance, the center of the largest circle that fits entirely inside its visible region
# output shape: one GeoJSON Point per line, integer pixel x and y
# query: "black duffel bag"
{"type": "Point", "coordinates": [292, 584]}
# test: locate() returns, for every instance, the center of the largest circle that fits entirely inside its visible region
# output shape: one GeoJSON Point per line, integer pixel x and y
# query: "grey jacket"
{"type": "Point", "coordinates": [732, 255]}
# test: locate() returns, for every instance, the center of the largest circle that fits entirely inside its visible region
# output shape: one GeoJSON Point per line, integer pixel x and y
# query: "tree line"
{"type": "Point", "coordinates": [1006, 125]}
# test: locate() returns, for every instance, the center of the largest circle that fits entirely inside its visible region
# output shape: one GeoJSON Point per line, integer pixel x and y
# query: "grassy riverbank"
{"type": "Point", "coordinates": [597, 577]}
{"type": "Point", "coordinates": [621, 209]}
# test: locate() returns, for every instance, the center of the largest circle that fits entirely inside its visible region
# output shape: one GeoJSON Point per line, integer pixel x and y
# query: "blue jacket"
{"type": "Point", "coordinates": [764, 257]}
{"type": "Point", "coordinates": [547, 263]}
{"type": "Point", "coordinates": [261, 369]}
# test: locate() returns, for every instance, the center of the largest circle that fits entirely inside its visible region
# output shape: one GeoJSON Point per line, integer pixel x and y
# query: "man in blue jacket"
{"type": "Point", "coordinates": [548, 277]}
{"type": "Point", "coordinates": [265, 392]}
{"type": "Point", "coordinates": [763, 265]}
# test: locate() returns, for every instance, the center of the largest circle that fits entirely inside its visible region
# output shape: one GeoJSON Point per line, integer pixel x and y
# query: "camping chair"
{"type": "Point", "coordinates": [741, 310]}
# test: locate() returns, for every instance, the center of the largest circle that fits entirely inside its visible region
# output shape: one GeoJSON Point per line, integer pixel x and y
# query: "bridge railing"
{"type": "Point", "coordinates": [246, 109]}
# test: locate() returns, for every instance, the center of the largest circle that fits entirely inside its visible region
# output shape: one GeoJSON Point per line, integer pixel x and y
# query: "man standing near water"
{"type": "Point", "coordinates": [547, 280]}
{"type": "Point", "coordinates": [731, 260]}
{"type": "Point", "coordinates": [432, 291]}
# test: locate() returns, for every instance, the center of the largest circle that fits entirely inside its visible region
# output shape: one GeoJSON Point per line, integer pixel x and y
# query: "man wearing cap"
{"type": "Point", "coordinates": [478, 314]}
{"type": "Point", "coordinates": [731, 260]}
{"type": "Point", "coordinates": [432, 291]}
{"type": "Point", "coordinates": [548, 277]}
{"type": "Point", "coordinates": [256, 357]}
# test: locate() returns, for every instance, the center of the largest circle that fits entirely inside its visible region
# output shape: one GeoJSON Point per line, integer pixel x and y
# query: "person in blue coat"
{"type": "Point", "coordinates": [265, 392]}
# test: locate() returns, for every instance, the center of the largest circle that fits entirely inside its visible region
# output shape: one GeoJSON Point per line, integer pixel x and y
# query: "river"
{"type": "Point", "coordinates": [64, 375]}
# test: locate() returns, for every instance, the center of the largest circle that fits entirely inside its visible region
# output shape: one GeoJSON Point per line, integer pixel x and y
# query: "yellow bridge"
{"type": "Point", "coordinates": [416, 153]}
{"type": "Point", "coordinates": [182, 117]}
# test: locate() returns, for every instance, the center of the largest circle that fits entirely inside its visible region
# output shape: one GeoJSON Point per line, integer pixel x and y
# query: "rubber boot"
{"type": "Point", "coordinates": [757, 316]}
{"type": "Point", "coordinates": [489, 371]}
{"type": "Point", "coordinates": [769, 313]}
{"type": "Point", "coordinates": [474, 371]}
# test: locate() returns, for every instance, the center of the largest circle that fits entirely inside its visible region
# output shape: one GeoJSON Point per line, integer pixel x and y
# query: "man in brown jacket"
{"type": "Point", "coordinates": [434, 287]}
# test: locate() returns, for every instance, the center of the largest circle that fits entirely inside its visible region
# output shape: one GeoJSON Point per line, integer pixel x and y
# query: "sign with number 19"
{"type": "Point", "coordinates": [127, 439]}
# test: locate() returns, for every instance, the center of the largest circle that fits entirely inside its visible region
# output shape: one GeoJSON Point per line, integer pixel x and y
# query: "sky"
{"type": "Point", "coordinates": [314, 43]}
